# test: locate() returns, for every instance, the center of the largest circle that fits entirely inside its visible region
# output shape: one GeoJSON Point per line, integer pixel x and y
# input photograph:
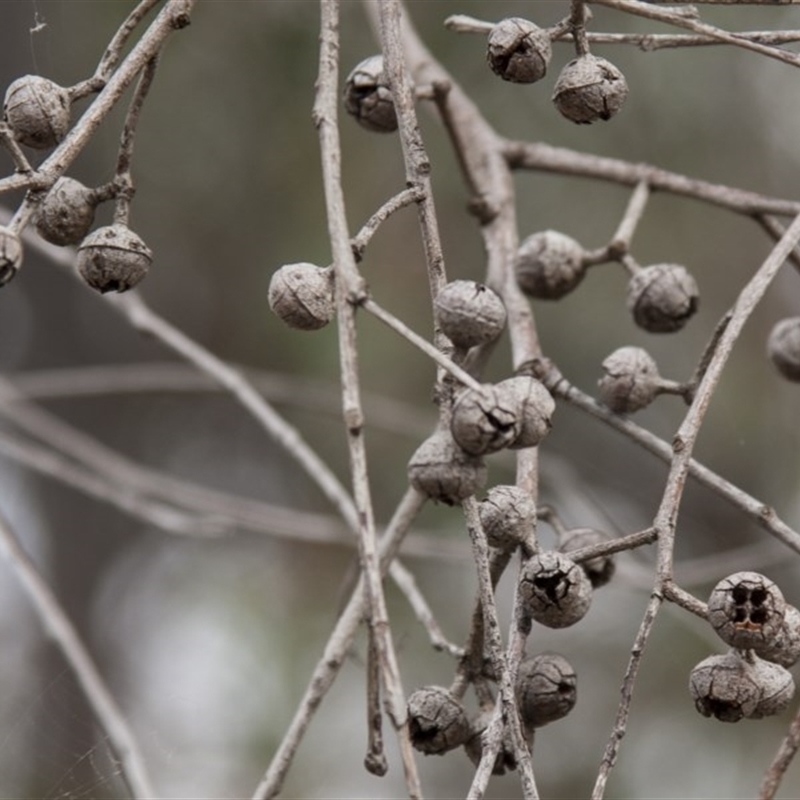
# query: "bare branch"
{"type": "Point", "coordinates": [100, 699]}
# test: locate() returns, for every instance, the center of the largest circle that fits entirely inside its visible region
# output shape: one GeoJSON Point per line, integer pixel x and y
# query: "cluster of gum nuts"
{"type": "Point", "coordinates": [589, 88]}
{"type": "Point", "coordinates": [448, 467]}
{"type": "Point", "coordinates": [749, 613]}
{"type": "Point", "coordinates": [37, 112]}
{"type": "Point", "coordinates": [554, 591]}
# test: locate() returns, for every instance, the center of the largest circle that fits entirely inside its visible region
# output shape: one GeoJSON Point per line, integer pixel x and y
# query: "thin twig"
{"type": "Point", "coordinates": [424, 345]}
{"type": "Point", "coordinates": [336, 649]}
{"type": "Point", "coordinates": [761, 513]}
{"type": "Point", "coordinates": [102, 702]}
{"type": "Point", "coordinates": [122, 176]}
{"type": "Point", "coordinates": [349, 289]}
{"type": "Point", "coordinates": [494, 649]}
{"type": "Point", "coordinates": [782, 760]}
{"type": "Point", "coordinates": [628, 682]}
{"type": "Point", "coordinates": [172, 17]}
{"type": "Point", "coordinates": [682, 21]}
{"type": "Point", "coordinates": [404, 578]}
{"type": "Point", "coordinates": [154, 512]}
{"type": "Point", "coordinates": [562, 160]}
{"type": "Point", "coordinates": [402, 199]}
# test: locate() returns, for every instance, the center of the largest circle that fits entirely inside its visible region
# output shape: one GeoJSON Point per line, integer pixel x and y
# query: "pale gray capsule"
{"type": "Point", "coordinates": [590, 88]}
{"type": "Point", "coordinates": [783, 347]}
{"type": "Point", "coordinates": [776, 688]}
{"type": "Point", "coordinates": [367, 96]}
{"type": "Point", "coordinates": [631, 380]}
{"type": "Point", "coordinates": [598, 570]}
{"type": "Point", "coordinates": [485, 421]}
{"type": "Point", "coordinates": [546, 689]}
{"type": "Point", "coordinates": [10, 254]}
{"type": "Point", "coordinates": [662, 297]}
{"type": "Point", "coordinates": [554, 590]}
{"type": "Point", "coordinates": [440, 469]}
{"type": "Point", "coordinates": [113, 258]}
{"type": "Point", "coordinates": [302, 295]}
{"type": "Point", "coordinates": [534, 407]}
{"type": "Point", "coordinates": [470, 313]}
{"type": "Point", "coordinates": [549, 265]}
{"type": "Point", "coordinates": [506, 761]}
{"type": "Point", "coordinates": [784, 647]}
{"type": "Point", "coordinates": [722, 686]}
{"type": "Point", "coordinates": [437, 722]}
{"type": "Point", "coordinates": [38, 111]}
{"type": "Point", "coordinates": [66, 213]}
{"type": "Point", "coordinates": [518, 51]}
{"type": "Point", "coordinates": [508, 516]}
{"type": "Point", "coordinates": [746, 610]}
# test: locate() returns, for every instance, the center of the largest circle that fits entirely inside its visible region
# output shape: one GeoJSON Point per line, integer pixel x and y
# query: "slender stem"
{"type": "Point", "coordinates": [624, 709]}
{"type": "Point", "coordinates": [682, 21]}
{"type": "Point", "coordinates": [102, 702]}
{"type": "Point", "coordinates": [336, 649]}
{"type": "Point", "coordinates": [782, 760]}
{"type": "Point", "coordinates": [426, 347]}
{"type": "Point", "coordinates": [350, 288]}
{"type": "Point", "coordinates": [123, 180]}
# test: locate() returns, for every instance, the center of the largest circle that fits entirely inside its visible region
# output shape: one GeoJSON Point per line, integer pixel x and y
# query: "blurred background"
{"type": "Point", "coordinates": [208, 642]}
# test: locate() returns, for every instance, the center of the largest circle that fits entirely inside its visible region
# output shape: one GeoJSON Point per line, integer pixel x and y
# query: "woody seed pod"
{"type": "Point", "coordinates": [470, 313]}
{"type": "Point", "coordinates": [484, 421]}
{"type": "Point", "coordinates": [518, 50]}
{"type": "Point", "coordinates": [37, 111]}
{"type": "Point", "coordinates": [437, 721]}
{"type": "Point", "coordinates": [506, 761]}
{"type": "Point", "coordinates": [302, 295]}
{"type": "Point", "coordinates": [441, 470]}
{"type": "Point", "coordinates": [367, 96]}
{"type": "Point", "coordinates": [549, 265]}
{"type": "Point", "coordinates": [724, 687]}
{"type": "Point", "coordinates": [598, 570]}
{"type": "Point", "coordinates": [113, 258]}
{"type": "Point", "coordinates": [662, 297]}
{"type": "Point", "coordinates": [589, 88]}
{"type": "Point", "coordinates": [554, 590]}
{"type": "Point", "coordinates": [784, 647]}
{"type": "Point", "coordinates": [546, 689]}
{"type": "Point", "coordinates": [10, 255]}
{"type": "Point", "coordinates": [746, 610]}
{"type": "Point", "coordinates": [776, 688]}
{"type": "Point", "coordinates": [631, 380]}
{"type": "Point", "coordinates": [508, 515]}
{"type": "Point", "coordinates": [533, 406]}
{"type": "Point", "coordinates": [66, 213]}
{"type": "Point", "coordinates": [783, 347]}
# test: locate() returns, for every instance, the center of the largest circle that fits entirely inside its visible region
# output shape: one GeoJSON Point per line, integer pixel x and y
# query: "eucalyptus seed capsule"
{"type": "Point", "coordinates": [440, 469]}
{"type": "Point", "coordinates": [631, 380]}
{"type": "Point", "coordinates": [367, 96]}
{"type": "Point", "coordinates": [783, 348]}
{"type": "Point", "coordinates": [508, 516]}
{"type": "Point", "coordinates": [437, 722]}
{"type": "Point", "coordinates": [38, 111]}
{"type": "Point", "coordinates": [746, 610]}
{"type": "Point", "coordinates": [302, 295]}
{"type": "Point", "coordinates": [554, 590]}
{"type": "Point", "coordinates": [549, 265]}
{"type": "Point", "coordinates": [590, 88]}
{"type": "Point", "coordinates": [66, 214]}
{"type": "Point", "coordinates": [546, 689]}
{"type": "Point", "coordinates": [662, 297]}
{"type": "Point", "coordinates": [518, 50]}
{"type": "Point", "coordinates": [470, 313]}
{"type": "Point", "coordinates": [113, 258]}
